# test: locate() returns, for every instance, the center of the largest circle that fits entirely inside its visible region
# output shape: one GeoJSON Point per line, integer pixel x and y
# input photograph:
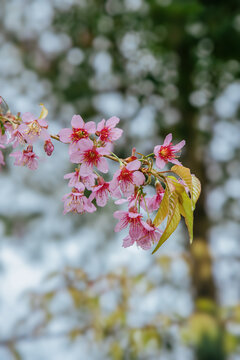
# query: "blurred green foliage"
{"type": "Point", "coordinates": [177, 56]}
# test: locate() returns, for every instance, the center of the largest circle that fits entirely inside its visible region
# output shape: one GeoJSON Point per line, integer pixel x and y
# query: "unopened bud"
{"type": "Point", "coordinates": [48, 147]}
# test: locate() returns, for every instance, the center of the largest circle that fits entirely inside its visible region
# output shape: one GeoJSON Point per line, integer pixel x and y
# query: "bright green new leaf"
{"type": "Point", "coordinates": [185, 175]}
{"type": "Point", "coordinates": [196, 190]}
{"type": "Point", "coordinates": [44, 112]}
{"type": "Point", "coordinates": [2, 128]}
{"type": "Point", "coordinates": [163, 209]}
{"type": "Point", "coordinates": [174, 218]}
{"type": "Point", "coordinates": [185, 207]}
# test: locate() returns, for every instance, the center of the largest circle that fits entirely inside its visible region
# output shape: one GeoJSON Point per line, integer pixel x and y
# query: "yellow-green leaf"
{"type": "Point", "coordinates": [174, 218]}
{"type": "Point", "coordinates": [187, 212]}
{"type": "Point", "coordinates": [44, 112]}
{"type": "Point", "coordinates": [163, 209]}
{"type": "Point", "coordinates": [179, 188]}
{"type": "Point", "coordinates": [185, 175]}
{"type": "Point", "coordinates": [196, 190]}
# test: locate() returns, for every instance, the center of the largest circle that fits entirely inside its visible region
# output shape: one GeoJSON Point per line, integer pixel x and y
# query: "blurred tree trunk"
{"type": "Point", "coordinates": [203, 283]}
{"type": "Point", "coordinates": [202, 278]}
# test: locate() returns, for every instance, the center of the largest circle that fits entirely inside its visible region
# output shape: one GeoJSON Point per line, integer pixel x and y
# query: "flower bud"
{"type": "Point", "coordinates": [48, 147]}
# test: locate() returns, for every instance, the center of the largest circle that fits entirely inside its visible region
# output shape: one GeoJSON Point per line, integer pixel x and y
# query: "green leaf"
{"type": "Point", "coordinates": [185, 175]}
{"type": "Point", "coordinates": [163, 209]}
{"type": "Point", "coordinates": [44, 112]}
{"type": "Point", "coordinates": [3, 106]}
{"type": "Point", "coordinates": [185, 207]}
{"type": "Point", "coordinates": [196, 190]}
{"type": "Point", "coordinates": [174, 218]}
{"type": "Point", "coordinates": [186, 211]}
{"type": "Point", "coordinates": [2, 128]}
{"type": "Point", "coordinates": [14, 352]}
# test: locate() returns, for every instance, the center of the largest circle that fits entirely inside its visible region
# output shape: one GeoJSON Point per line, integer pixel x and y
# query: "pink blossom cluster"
{"type": "Point", "coordinates": [24, 131]}
{"type": "Point", "coordinates": [90, 148]}
{"type": "Point", "coordinates": [89, 145]}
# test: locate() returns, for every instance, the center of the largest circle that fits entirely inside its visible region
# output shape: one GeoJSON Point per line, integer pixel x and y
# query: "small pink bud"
{"type": "Point", "coordinates": [29, 148]}
{"type": "Point", "coordinates": [48, 147]}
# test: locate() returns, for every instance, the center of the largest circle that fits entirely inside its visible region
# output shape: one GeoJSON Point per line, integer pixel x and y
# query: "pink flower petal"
{"type": "Point", "coordinates": [116, 193]}
{"type": "Point", "coordinates": [138, 178]}
{"type": "Point", "coordinates": [105, 150]}
{"type": "Point", "coordinates": [114, 182]}
{"type": "Point", "coordinates": [85, 144]}
{"type": "Point", "coordinates": [160, 163]}
{"type": "Point", "coordinates": [120, 201]}
{"type": "Point", "coordinates": [112, 122]}
{"type": "Point", "coordinates": [175, 161]}
{"type": "Point", "coordinates": [133, 165]}
{"type": "Point", "coordinates": [145, 244]}
{"type": "Point", "coordinates": [127, 188]}
{"type": "Point", "coordinates": [102, 198]}
{"type": "Point", "coordinates": [76, 157]}
{"type": "Point", "coordinates": [119, 214]}
{"type": "Point", "coordinates": [28, 117]}
{"type": "Point", "coordinates": [90, 127]}
{"type": "Point", "coordinates": [102, 165]}
{"type": "Point", "coordinates": [65, 135]}
{"type": "Point", "coordinates": [45, 135]}
{"type": "Point", "coordinates": [43, 123]}
{"type": "Point", "coordinates": [167, 140]}
{"type": "Point", "coordinates": [116, 134]}
{"type": "Point", "coordinates": [73, 147]}
{"type": "Point", "coordinates": [77, 122]}
{"type": "Point", "coordinates": [101, 125]}
{"type": "Point", "coordinates": [135, 230]}
{"type": "Point", "coordinates": [157, 149]}
{"type": "Point", "coordinates": [88, 206]}
{"type": "Point", "coordinates": [127, 241]}
{"type": "Point", "coordinates": [85, 170]}
{"type": "Point", "coordinates": [179, 145]}
{"type": "Point", "coordinates": [80, 187]}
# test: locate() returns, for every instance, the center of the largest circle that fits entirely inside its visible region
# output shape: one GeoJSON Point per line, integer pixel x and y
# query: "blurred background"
{"type": "Point", "coordinates": [68, 288]}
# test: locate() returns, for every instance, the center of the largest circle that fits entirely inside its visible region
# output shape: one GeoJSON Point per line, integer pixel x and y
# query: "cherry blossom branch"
{"type": "Point", "coordinates": [89, 147]}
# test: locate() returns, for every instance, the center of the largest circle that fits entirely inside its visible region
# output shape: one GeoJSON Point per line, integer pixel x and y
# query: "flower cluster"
{"type": "Point", "coordinates": [90, 148]}
{"type": "Point", "coordinates": [24, 131]}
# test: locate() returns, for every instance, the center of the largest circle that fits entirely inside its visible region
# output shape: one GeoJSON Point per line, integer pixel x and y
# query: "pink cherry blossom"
{"type": "Point", "coordinates": [147, 236]}
{"type": "Point", "coordinates": [127, 177]}
{"type": "Point", "coordinates": [150, 235]}
{"type": "Point", "coordinates": [18, 135]}
{"type": "Point", "coordinates": [167, 152]}
{"type": "Point", "coordinates": [75, 201]}
{"type": "Point", "coordinates": [80, 130]}
{"type": "Point", "coordinates": [132, 218]}
{"type": "Point", "coordinates": [36, 128]}
{"type": "Point", "coordinates": [75, 179]}
{"type": "Point", "coordinates": [153, 202]}
{"type": "Point", "coordinates": [88, 180]}
{"type": "Point", "coordinates": [107, 132]}
{"type": "Point", "coordinates": [90, 155]}
{"type": "Point", "coordinates": [100, 192]}
{"type": "Point", "coordinates": [132, 200]}
{"type": "Point", "coordinates": [26, 158]}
